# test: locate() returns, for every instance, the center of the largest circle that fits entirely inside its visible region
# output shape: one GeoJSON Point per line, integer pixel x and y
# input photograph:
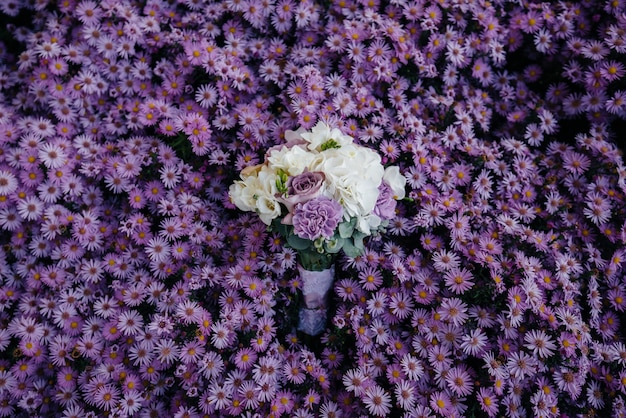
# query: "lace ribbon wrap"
{"type": "Point", "coordinates": [315, 288]}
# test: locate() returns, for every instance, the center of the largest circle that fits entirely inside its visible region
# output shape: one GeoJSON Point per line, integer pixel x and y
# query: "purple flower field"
{"type": "Point", "coordinates": [132, 286]}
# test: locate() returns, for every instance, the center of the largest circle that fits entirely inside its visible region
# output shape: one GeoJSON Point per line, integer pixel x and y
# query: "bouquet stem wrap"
{"type": "Point", "coordinates": [315, 288]}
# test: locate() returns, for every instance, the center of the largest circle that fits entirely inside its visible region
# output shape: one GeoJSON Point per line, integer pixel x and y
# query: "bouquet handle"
{"type": "Point", "coordinates": [315, 288]}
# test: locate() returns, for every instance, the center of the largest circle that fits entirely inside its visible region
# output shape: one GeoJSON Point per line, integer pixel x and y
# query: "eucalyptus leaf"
{"type": "Point", "coordinates": [334, 245]}
{"type": "Point", "coordinates": [358, 240]}
{"type": "Point", "coordinates": [345, 229]}
{"type": "Point", "coordinates": [350, 250]}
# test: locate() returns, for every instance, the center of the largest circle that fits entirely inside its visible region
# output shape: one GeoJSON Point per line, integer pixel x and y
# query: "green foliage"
{"type": "Point", "coordinates": [346, 228]}
{"type": "Point", "coordinates": [297, 243]}
{"type": "Point", "coordinates": [182, 147]}
{"type": "Point", "coordinates": [281, 181]}
{"type": "Point", "coordinates": [319, 254]}
{"type": "Point", "coordinates": [350, 249]}
{"type": "Point", "coordinates": [334, 245]}
{"type": "Point", "coordinates": [315, 261]}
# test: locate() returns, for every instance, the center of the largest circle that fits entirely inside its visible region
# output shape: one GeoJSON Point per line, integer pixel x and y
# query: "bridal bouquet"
{"type": "Point", "coordinates": [324, 194]}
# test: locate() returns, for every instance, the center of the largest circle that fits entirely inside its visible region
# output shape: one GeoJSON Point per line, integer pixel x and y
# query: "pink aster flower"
{"type": "Point", "coordinates": [283, 402]}
{"type": "Point", "coordinates": [106, 396]}
{"type": "Point", "coordinates": [189, 312]}
{"type": "Point", "coordinates": [129, 322]}
{"type": "Point", "coordinates": [412, 367]}
{"type": "Point", "coordinates": [220, 335]}
{"type": "Point", "coordinates": [356, 381]}
{"type": "Point", "coordinates": [401, 305]}
{"type": "Point", "coordinates": [294, 373]}
{"type": "Point", "coordinates": [166, 351]}
{"type": "Point", "coordinates": [52, 155]}
{"type": "Point", "coordinates": [7, 381]}
{"type": "Point", "coordinates": [158, 249]}
{"type": "Point", "coordinates": [8, 182]}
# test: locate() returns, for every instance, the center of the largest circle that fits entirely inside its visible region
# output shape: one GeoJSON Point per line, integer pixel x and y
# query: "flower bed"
{"type": "Point", "coordinates": [133, 286]}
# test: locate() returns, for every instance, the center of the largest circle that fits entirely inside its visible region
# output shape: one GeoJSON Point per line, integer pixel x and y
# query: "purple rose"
{"type": "Point", "coordinates": [301, 189]}
{"type": "Point", "coordinates": [317, 218]}
{"type": "Point", "coordinates": [385, 204]}
{"type": "Point", "coordinates": [305, 186]}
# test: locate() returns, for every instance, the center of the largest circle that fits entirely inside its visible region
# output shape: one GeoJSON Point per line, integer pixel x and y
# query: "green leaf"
{"type": "Point", "coordinates": [298, 243]}
{"type": "Point", "coordinates": [281, 228]}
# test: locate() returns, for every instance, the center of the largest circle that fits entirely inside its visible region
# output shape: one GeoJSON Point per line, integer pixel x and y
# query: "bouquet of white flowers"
{"type": "Point", "coordinates": [324, 194]}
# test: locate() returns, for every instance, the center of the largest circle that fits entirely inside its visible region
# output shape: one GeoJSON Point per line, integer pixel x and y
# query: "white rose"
{"type": "Point", "coordinates": [267, 208]}
{"type": "Point", "coordinates": [396, 181]}
{"type": "Point", "coordinates": [265, 190]}
{"type": "Point", "coordinates": [241, 196]}
{"type": "Point", "coordinates": [292, 160]}
{"type": "Point", "coordinates": [256, 192]}
{"type": "Point", "coordinates": [266, 179]}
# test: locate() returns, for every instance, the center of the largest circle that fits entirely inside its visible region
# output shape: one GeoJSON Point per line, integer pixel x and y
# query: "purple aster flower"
{"type": "Point", "coordinates": [317, 218]}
